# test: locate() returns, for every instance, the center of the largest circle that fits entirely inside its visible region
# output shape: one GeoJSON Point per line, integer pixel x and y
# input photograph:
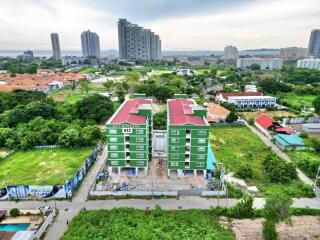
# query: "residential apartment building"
{"type": "Point", "coordinates": [293, 53]}
{"type": "Point", "coordinates": [187, 137]}
{"type": "Point", "coordinates": [129, 136]}
{"type": "Point", "coordinates": [253, 101]}
{"type": "Point", "coordinates": [136, 43]}
{"type": "Point", "coordinates": [55, 46]}
{"type": "Point", "coordinates": [311, 63]}
{"type": "Point", "coordinates": [90, 44]}
{"type": "Point", "coordinates": [264, 63]}
{"type": "Point", "coordinates": [314, 43]}
{"type": "Point", "coordinates": [230, 53]}
{"type": "Point", "coordinates": [223, 97]}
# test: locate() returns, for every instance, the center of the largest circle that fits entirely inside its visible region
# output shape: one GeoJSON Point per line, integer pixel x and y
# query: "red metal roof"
{"type": "Point", "coordinates": [180, 111]}
{"type": "Point", "coordinates": [265, 121]}
{"type": "Point", "coordinates": [129, 110]}
{"type": "Point", "coordinates": [285, 130]}
{"type": "Point", "coordinates": [240, 94]}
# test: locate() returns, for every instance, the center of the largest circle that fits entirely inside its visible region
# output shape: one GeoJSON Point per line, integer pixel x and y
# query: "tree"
{"type": "Point", "coordinates": [316, 104]}
{"type": "Point", "coordinates": [121, 95]}
{"type": "Point", "coordinates": [277, 208]}
{"type": "Point", "coordinates": [164, 92]}
{"type": "Point", "coordinates": [315, 144]}
{"type": "Point", "coordinates": [14, 212]}
{"type": "Point", "coordinates": [255, 67]}
{"type": "Point", "coordinates": [269, 85]}
{"type": "Point", "coordinates": [108, 84]}
{"type": "Point", "coordinates": [13, 74]}
{"type": "Point", "coordinates": [70, 137]}
{"type": "Point", "coordinates": [232, 117]}
{"type": "Point", "coordinates": [160, 120]}
{"type": "Point", "coordinates": [245, 171]}
{"type": "Point", "coordinates": [5, 133]}
{"type": "Point", "coordinates": [84, 85]}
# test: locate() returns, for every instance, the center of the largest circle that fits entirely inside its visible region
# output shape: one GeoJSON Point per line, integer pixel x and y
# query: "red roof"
{"type": "Point", "coordinates": [265, 121]}
{"type": "Point", "coordinates": [129, 110]}
{"type": "Point", "coordinates": [180, 111]}
{"type": "Point", "coordinates": [240, 94]}
{"type": "Point", "coordinates": [285, 130]}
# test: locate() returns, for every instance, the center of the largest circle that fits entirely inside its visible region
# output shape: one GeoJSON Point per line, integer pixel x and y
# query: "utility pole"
{"type": "Point", "coordinates": [317, 178]}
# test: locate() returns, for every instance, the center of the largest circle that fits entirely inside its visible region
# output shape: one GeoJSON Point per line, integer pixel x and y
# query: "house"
{"type": "Point", "coordinates": [250, 88]}
{"type": "Point", "coordinates": [223, 97]}
{"type": "Point", "coordinates": [266, 124]}
{"type": "Point", "coordinates": [188, 138]}
{"type": "Point", "coordinates": [188, 72]}
{"type": "Point", "coordinates": [311, 127]}
{"type": "Point", "coordinates": [289, 142]}
{"type": "Point", "coordinates": [216, 113]}
{"type": "Point", "coordinates": [55, 85]}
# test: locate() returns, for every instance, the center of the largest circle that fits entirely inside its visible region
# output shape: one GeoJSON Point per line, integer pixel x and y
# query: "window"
{"type": "Point", "coordinates": [140, 155]}
{"type": "Point", "coordinates": [113, 139]}
{"type": "Point", "coordinates": [174, 164]}
{"type": "Point", "coordinates": [202, 132]}
{"type": "Point", "coordinates": [174, 132]}
{"type": "Point", "coordinates": [113, 147]}
{"type": "Point", "coordinates": [140, 163]}
{"type": "Point", "coordinates": [112, 131]}
{"type": "Point", "coordinates": [139, 131]}
{"type": "Point", "coordinates": [175, 156]}
{"type": "Point", "coordinates": [114, 162]}
{"type": "Point", "coordinates": [175, 148]}
{"type": "Point", "coordinates": [140, 140]}
{"type": "Point", "coordinates": [201, 149]}
{"type": "Point", "coordinates": [174, 140]}
{"type": "Point", "coordinates": [200, 156]}
{"type": "Point", "coordinates": [114, 155]}
{"type": "Point", "coordinates": [139, 147]}
{"type": "Point", "coordinates": [200, 164]}
{"type": "Point", "coordinates": [201, 140]}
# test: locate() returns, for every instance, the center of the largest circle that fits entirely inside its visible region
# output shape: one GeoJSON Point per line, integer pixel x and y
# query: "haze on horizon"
{"type": "Point", "coordinates": [181, 24]}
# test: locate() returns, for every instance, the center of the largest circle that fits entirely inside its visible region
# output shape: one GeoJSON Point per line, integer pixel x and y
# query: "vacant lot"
{"type": "Point", "coordinates": [237, 145]}
{"type": "Point", "coordinates": [40, 167]}
{"type": "Point", "coordinates": [273, 114]}
{"type": "Point", "coordinates": [127, 223]}
{"type": "Point", "coordinates": [295, 101]}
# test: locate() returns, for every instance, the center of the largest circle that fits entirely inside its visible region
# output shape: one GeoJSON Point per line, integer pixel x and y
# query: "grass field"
{"type": "Point", "coordinates": [295, 101]}
{"type": "Point", "coordinates": [40, 167]}
{"type": "Point", "coordinates": [134, 224]}
{"type": "Point", "coordinates": [236, 145]}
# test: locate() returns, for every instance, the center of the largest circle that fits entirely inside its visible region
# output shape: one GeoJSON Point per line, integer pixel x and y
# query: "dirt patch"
{"type": "Point", "coordinates": [303, 227]}
{"type": "Point", "coordinates": [59, 98]}
{"type": "Point", "coordinates": [255, 115]}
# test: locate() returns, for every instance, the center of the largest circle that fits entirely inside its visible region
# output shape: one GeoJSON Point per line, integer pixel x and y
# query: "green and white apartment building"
{"type": "Point", "coordinates": [129, 136]}
{"type": "Point", "coordinates": [189, 150]}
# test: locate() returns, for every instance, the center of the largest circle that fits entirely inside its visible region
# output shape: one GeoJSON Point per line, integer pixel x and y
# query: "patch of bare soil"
{"type": "Point", "coordinates": [302, 228]}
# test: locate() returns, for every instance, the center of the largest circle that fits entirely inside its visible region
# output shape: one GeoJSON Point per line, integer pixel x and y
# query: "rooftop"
{"type": "Point", "coordinates": [128, 112]}
{"type": "Point", "coordinates": [240, 94]}
{"type": "Point", "coordinates": [251, 97]}
{"type": "Point", "coordinates": [215, 110]}
{"type": "Point", "coordinates": [181, 112]}
{"type": "Point", "coordinates": [289, 139]}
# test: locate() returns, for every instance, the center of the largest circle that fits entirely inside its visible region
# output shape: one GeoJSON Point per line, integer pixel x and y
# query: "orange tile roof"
{"type": "Point", "coordinates": [215, 110]}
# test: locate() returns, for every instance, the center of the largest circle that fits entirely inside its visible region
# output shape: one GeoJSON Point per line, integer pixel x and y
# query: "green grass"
{"type": "Point", "coordinates": [40, 167]}
{"type": "Point", "coordinates": [296, 101]}
{"type": "Point", "coordinates": [134, 224]}
{"type": "Point", "coordinates": [89, 70]}
{"type": "Point", "coordinates": [237, 145]}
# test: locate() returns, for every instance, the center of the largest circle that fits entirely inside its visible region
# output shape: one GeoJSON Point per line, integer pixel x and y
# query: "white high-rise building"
{"type": "Point", "coordinates": [55, 46]}
{"type": "Point", "coordinates": [264, 63]}
{"type": "Point", "coordinates": [136, 42]}
{"type": "Point", "coordinates": [314, 43]}
{"type": "Point", "coordinates": [293, 53]}
{"type": "Point", "coordinates": [311, 63]}
{"type": "Point", "coordinates": [90, 44]}
{"type": "Point", "coordinates": [230, 53]}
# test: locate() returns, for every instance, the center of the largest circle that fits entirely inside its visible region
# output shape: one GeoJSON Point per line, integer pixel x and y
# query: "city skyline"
{"type": "Point", "coordinates": [195, 25]}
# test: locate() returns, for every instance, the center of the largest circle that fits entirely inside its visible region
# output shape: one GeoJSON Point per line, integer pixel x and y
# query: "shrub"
{"type": "Point", "coordinates": [14, 212]}
{"type": "Point", "coordinates": [244, 171]}
{"type": "Point", "coordinates": [251, 121]}
{"type": "Point", "coordinates": [243, 209]}
{"type": "Point", "coordinates": [269, 230]}
{"type": "Point", "coordinates": [304, 135]}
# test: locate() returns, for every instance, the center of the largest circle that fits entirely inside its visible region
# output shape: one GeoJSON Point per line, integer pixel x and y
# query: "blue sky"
{"type": "Point", "coordinates": [181, 24]}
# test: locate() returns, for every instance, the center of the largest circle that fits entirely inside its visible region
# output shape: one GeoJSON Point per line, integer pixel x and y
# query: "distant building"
{"type": "Point", "coordinates": [314, 43]}
{"type": "Point", "coordinates": [266, 125]}
{"type": "Point", "coordinates": [230, 53]}
{"type": "Point", "coordinates": [253, 101]}
{"type": "Point", "coordinates": [55, 85]}
{"type": "Point", "coordinates": [216, 113]}
{"type": "Point", "coordinates": [311, 63]}
{"type": "Point", "coordinates": [223, 97]}
{"type": "Point", "coordinates": [250, 88]}
{"type": "Point", "coordinates": [311, 127]}
{"type": "Point", "coordinates": [293, 53]}
{"type": "Point", "coordinates": [264, 63]}
{"type": "Point", "coordinates": [55, 46]}
{"type": "Point", "coordinates": [27, 55]}
{"type": "Point", "coordinates": [136, 43]}
{"type": "Point", "coordinates": [90, 44]}
{"type": "Point", "coordinates": [188, 72]}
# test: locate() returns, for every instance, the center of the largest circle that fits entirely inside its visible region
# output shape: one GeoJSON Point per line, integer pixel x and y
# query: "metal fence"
{"type": "Point", "coordinates": [300, 120]}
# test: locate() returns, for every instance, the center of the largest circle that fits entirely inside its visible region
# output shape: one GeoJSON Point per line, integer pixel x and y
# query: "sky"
{"type": "Point", "coordinates": [181, 24]}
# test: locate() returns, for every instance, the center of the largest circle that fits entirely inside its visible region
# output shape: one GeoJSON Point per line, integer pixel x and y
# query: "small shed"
{"type": "Point", "coordinates": [289, 142]}
{"type": "Point", "coordinates": [311, 127]}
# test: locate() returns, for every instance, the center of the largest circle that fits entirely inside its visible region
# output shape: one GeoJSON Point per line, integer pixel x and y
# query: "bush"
{"type": "Point", "coordinates": [251, 121]}
{"type": "Point", "coordinates": [269, 230]}
{"type": "Point", "coordinates": [244, 171]}
{"type": "Point", "coordinates": [14, 212]}
{"type": "Point", "coordinates": [304, 135]}
{"type": "Point", "coordinates": [243, 209]}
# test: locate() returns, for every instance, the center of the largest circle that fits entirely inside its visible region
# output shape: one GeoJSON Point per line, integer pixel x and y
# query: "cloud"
{"type": "Point", "coordinates": [184, 24]}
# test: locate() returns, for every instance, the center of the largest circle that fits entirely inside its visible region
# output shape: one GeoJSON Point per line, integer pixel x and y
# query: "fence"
{"type": "Point", "coordinates": [45, 225]}
{"type": "Point", "coordinates": [300, 120]}
{"type": "Point", "coordinates": [225, 124]}
{"type": "Point", "coordinates": [134, 193]}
